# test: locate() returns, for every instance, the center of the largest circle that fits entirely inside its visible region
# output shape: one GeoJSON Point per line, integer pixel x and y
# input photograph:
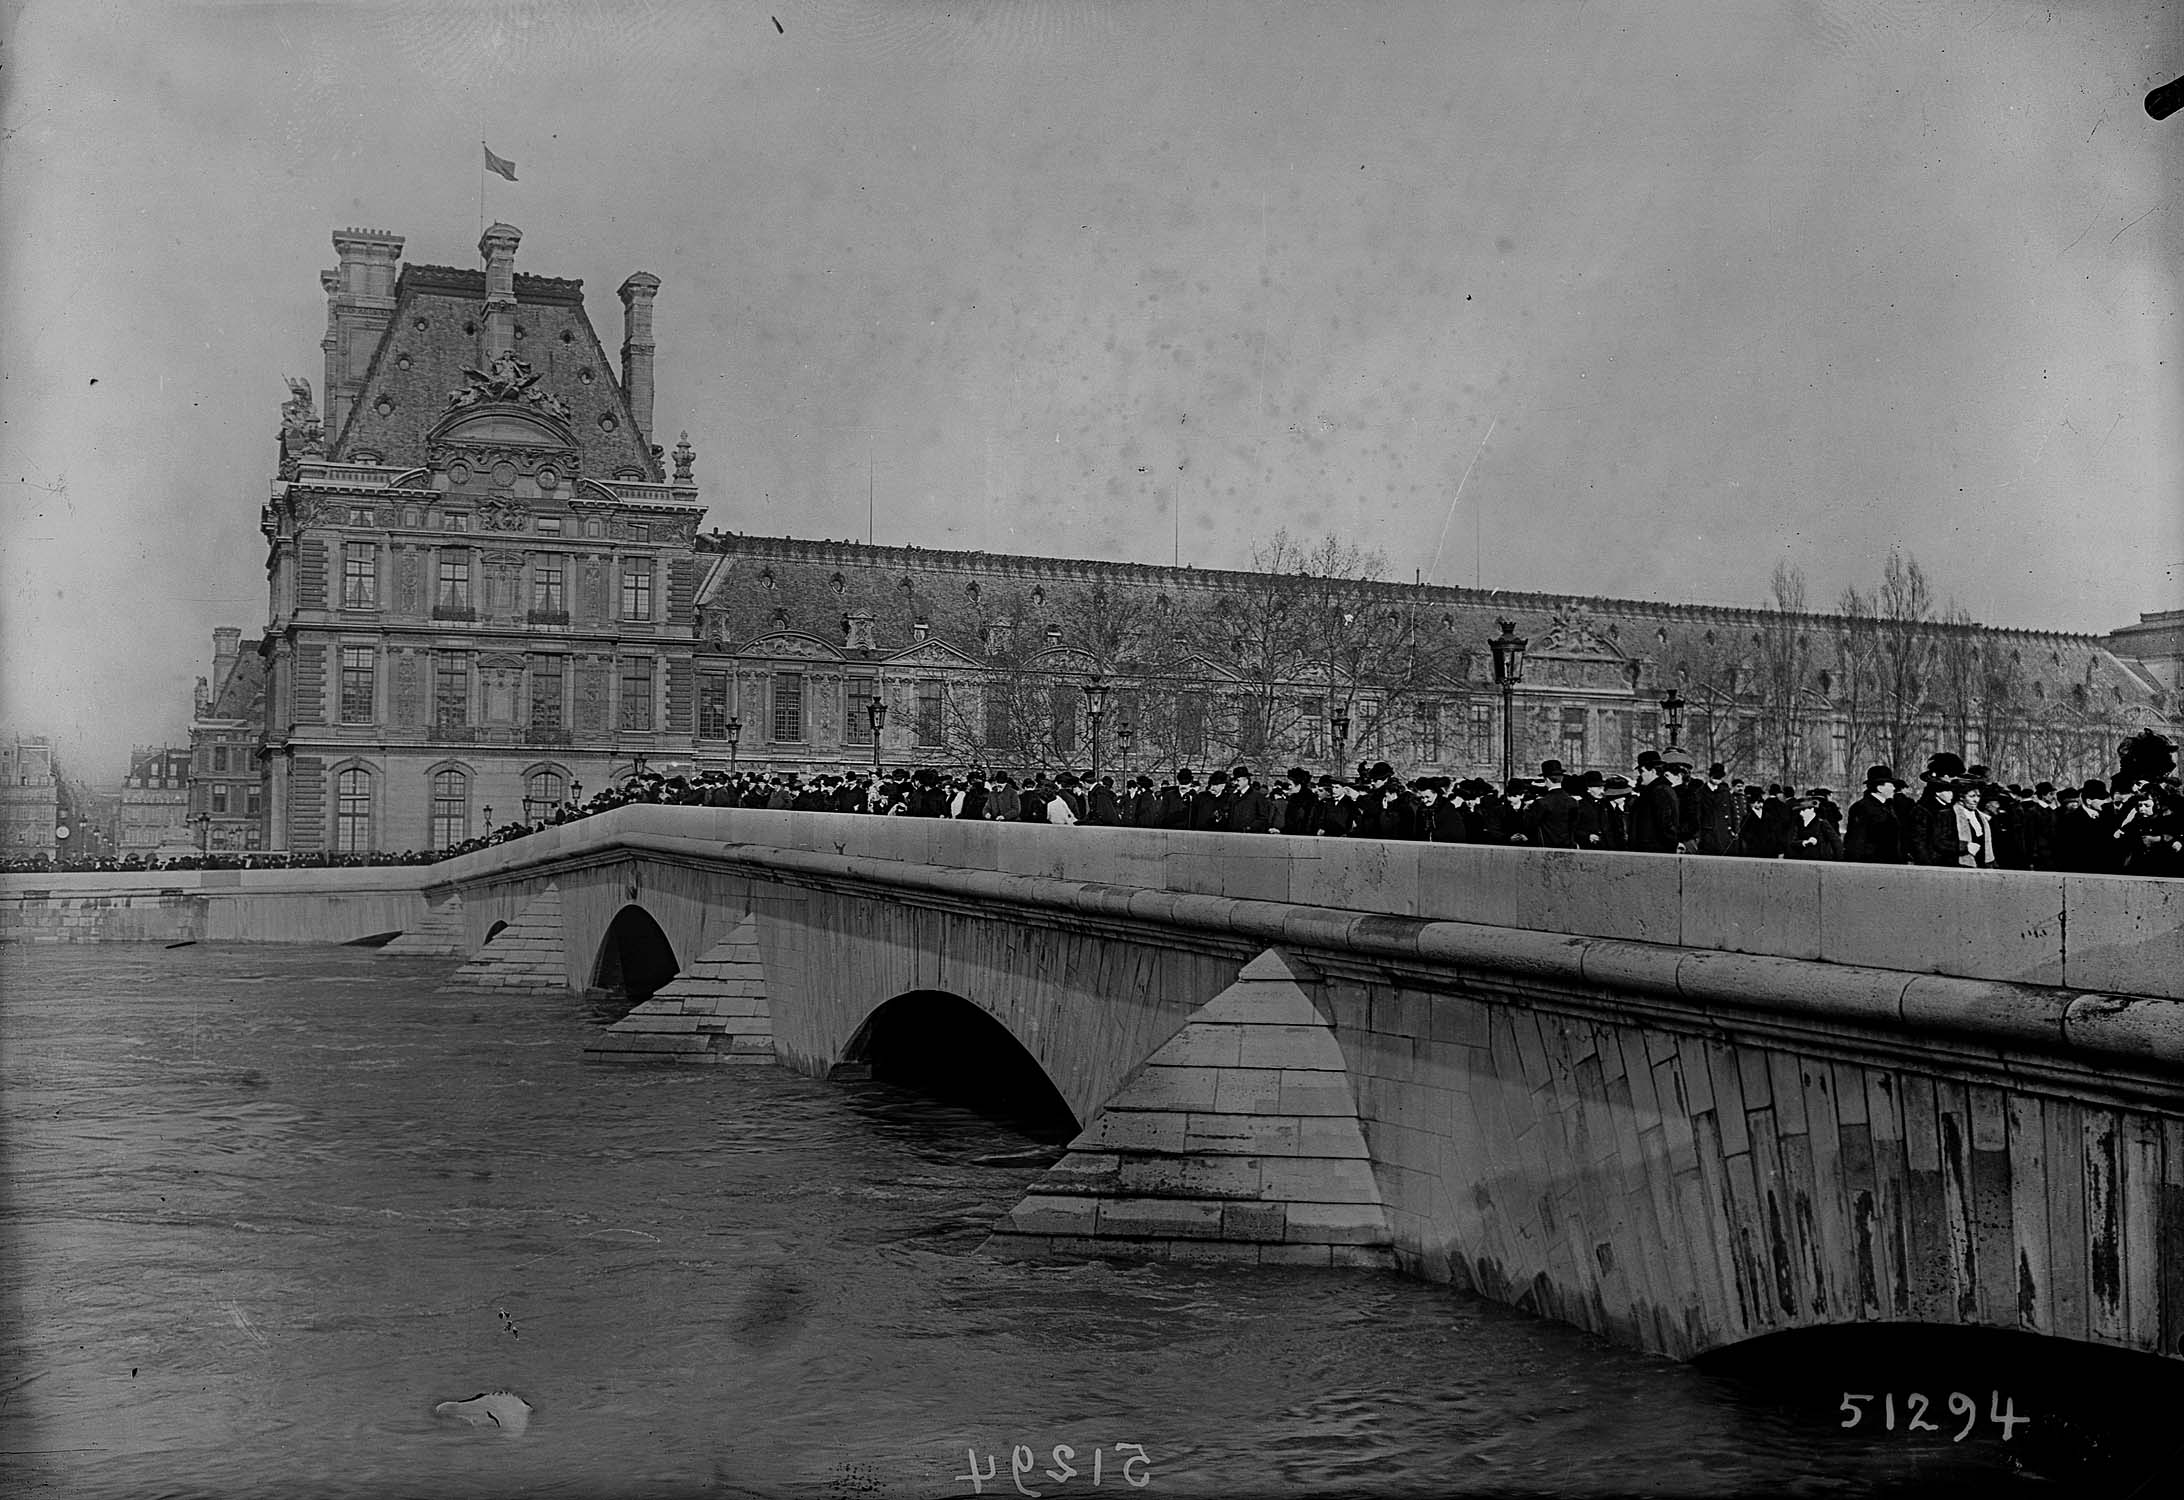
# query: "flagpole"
{"type": "Point", "coordinates": [481, 187]}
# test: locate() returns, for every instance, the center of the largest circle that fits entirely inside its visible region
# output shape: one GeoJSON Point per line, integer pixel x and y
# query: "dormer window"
{"type": "Point", "coordinates": [1054, 635]}
{"type": "Point", "coordinates": [920, 629]}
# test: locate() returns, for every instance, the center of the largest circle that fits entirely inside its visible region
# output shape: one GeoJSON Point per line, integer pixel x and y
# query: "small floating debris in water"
{"type": "Point", "coordinates": [1037, 1156]}
{"type": "Point", "coordinates": [185, 943]}
{"type": "Point", "coordinates": [373, 940]}
{"type": "Point", "coordinates": [621, 1234]}
{"type": "Point", "coordinates": [504, 1410]}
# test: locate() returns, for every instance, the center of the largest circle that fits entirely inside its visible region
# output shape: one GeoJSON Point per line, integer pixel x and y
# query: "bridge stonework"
{"type": "Point", "coordinates": [1682, 1102]}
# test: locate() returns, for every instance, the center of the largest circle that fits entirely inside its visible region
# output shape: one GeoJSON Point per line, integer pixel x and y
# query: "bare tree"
{"type": "Point", "coordinates": [1784, 648]}
{"type": "Point", "coordinates": [1854, 681]}
{"type": "Point", "coordinates": [1902, 610]}
{"type": "Point", "coordinates": [2002, 714]}
{"type": "Point", "coordinates": [1956, 675]}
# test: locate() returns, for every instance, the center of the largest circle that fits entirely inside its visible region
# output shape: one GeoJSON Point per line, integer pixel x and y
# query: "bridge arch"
{"type": "Point", "coordinates": [495, 931]}
{"type": "Point", "coordinates": [634, 960]}
{"type": "Point", "coordinates": [949, 1049]}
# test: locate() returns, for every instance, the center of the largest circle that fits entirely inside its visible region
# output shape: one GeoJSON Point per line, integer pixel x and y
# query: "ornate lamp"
{"type": "Point", "coordinates": [1125, 733]}
{"type": "Point", "coordinates": [735, 738]}
{"type": "Point", "coordinates": [1508, 649]}
{"type": "Point", "coordinates": [876, 711]}
{"type": "Point", "coordinates": [1338, 720]}
{"type": "Point", "coordinates": [1095, 709]}
{"type": "Point", "coordinates": [1673, 706]}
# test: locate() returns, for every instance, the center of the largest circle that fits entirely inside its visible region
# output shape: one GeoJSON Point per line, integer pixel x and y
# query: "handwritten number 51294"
{"type": "Point", "coordinates": [2003, 1415]}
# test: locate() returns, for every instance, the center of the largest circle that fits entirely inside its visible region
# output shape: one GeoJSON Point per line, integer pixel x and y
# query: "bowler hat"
{"type": "Point", "coordinates": [1616, 785]}
{"type": "Point", "coordinates": [2044, 789]}
{"type": "Point", "coordinates": [1875, 775]}
{"type": "Point", "coordinates": [1550, 768]}
{"type": "Point", "coordinates": [1717, 770]}
{"type": "Point", "coordinates": [1649, 760]}
{"type": "Point", "coordinates": [2094, 788]}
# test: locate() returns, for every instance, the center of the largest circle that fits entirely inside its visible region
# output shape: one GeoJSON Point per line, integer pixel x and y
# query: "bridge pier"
{"type": "Point", "coordinates": [1237, 1140]}
{"type": "Point", "coordinates": [527, 954]}
{"type": "Point", "coordinates": [714, 1012]}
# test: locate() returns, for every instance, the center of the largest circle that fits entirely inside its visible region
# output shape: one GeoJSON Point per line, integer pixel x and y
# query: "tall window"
{"type": "Point", "coordinates": [1482, 733]}
{"type": "Point", "coordinates": [930, 701]}
{"type": "Point", "coordinates": [454, 589]}
{"type": "Point", "coordinates": [253, 801]}
{"type": "Point", "coordinates": [1426, 733]}
{"type": "Point", "coordinates": [1311, 726]}
{"type": "Point", "coordinates": [1062, 714]}
{"type": "Point", "coordinates": [637, 693]}
{"type": "Point", "coordinates": [1190, 727]}
{"type": "Point", "coordinates": [546, 692]}
{"type": "Point", "coordinates": [636, 588]}
{"type": "Point", "coordinates": [713, 712]}
{"type": "Point", "coordinates": [219, 799]}
{"type": "Point", "coordinates": [858, 697]}
{"type": "Point", "coordinates": [1649, 730]}
{"type": "Point", "coordinates": [360, 575]}
{"type": "Point", "coordinates": [547, 594]}
{"type": "Point", "coordinates": [352, 812]}
{"type": "Point", "coordinates": [219, 757]}
{"type": "Point", "coordinates": [543, 791]}
{"type": "Point", "coordinates": [451, 690]}
{"type": "Point", "coordinates": [356, 684]}
{"type": "Point", "coordinates": [1000, 723]}
{"type": "Point", "coordinates": [450, 808]}
{"type": "Point", "coordinates": [1573, 738]}
{"type": "Point", "coordinates": [788, 707]}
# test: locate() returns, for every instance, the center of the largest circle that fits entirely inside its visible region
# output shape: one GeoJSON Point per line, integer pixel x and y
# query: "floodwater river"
{"type": "Point", "coordinates": [267, 1206]}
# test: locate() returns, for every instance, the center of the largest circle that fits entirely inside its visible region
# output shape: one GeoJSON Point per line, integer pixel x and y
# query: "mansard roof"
{"type": "Point", "coordinates": [241, 693]}
{"type": "Point", "coordinates": [421, 357]}
{"type": "Point", "coordinates": [753, 584]}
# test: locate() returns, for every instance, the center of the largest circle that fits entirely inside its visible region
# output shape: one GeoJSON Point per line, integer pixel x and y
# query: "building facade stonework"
{"type": "Point", "coordinates": [489, 589]}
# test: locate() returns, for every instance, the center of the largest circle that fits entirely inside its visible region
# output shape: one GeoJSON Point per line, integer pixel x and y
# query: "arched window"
{"type": "Point", "coordinates": [543, 791]}
{"type": "Point", "coordinates": [352, 812]}
{"type": "Point", "coordinates": [450, 808]}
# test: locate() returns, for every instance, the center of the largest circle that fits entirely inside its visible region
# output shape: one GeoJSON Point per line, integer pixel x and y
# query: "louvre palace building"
{"type": "Point", "coordinates": [491, 591]}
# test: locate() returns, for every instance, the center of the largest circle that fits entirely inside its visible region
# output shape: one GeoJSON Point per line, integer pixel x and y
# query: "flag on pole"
{"type": "Point", "coordinates": [500, 164]}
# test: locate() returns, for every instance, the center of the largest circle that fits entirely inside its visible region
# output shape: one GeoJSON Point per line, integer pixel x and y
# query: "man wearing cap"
{"type": "Point", "coordinates": [1655, 816]}
{"type": "Point", "coordinates": [1875, 834]}
{"type": "Point", "coordinates": [1248, 808]}
{"type": "Point", "coordinates": [1549, 821]}
{"type": "Point", "coordinates": [1717, 812]}
{"type": "Point", "coordinates": [1933, 834]}
{"type": "Point", "coordinates": [2082, 843]}
{"type": "Point", "coordinates": [1300, 808]}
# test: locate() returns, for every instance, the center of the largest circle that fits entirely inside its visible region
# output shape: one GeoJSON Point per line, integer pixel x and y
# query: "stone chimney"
{"type": "Point", "coordinates": [498, 246]}
{"type": "Point", "coordinates": [359, 305]}
{"type": "Point", "coordinates": [637, 294]}
{"type": "Point", "coordinates": [201, 700]}
{"type": "Point", "coordinates": [226, 645]}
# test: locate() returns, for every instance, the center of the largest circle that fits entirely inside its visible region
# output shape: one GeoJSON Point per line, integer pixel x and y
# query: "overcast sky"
{"type": "Point", "coordinates": [1582, 297]}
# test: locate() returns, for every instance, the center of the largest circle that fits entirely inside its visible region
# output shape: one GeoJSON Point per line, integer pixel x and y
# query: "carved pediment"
{"type": "Point", "coordinates": [1575, 633]}
{"type": "Point", "coordinates": [501, 424]}
{"type": "Point", "coordinates": [1067, 660]}
{"type": "Point", "coordinates": [1197, 667]}
{"type": "Point", "coordinates": [931, 654]}
{"type": "Point", "coordinates": [794, 644]}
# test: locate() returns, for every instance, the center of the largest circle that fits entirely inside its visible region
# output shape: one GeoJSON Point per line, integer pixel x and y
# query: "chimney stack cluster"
{"type": "Point", "coordinates": [359, 305]}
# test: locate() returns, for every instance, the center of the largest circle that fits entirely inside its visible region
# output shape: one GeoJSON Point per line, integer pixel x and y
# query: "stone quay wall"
{"type": "Point", "coordinates": [231, 906]}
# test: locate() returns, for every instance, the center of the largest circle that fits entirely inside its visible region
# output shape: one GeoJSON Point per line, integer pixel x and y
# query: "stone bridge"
{"type": "Point", "coordinates": [1680, 1102]}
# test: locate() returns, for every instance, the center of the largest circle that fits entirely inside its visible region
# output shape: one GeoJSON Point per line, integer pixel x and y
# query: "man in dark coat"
{"type": "Point", "coordinates": [1717, 813]}
{"type": "Point", "coordinates": [1874, 833]}
{"type": "Point", "coordinates": [1300, 809]}
{"type": "Point", "coordinates": [1248, 808]}
{"type": "Point", "coordinates": [1550, 819]}
{"type": "Point", "coordinates": [1103, 810]}
{"type": "Point", "coordinates": [1337, 809]}
{"type": "Point", "coordinates": [1656, 817]}
{"type": "Point", "coordinates": [1440, 812]}
{"type": "Point", "coordinates": [1175, 799]}
{"type": "Point", "coordinates": [1208, 804]}
{"type": "Point", "coordinates": [1811, 836]}
{"type": "Point", "coordinates": [2037, 819]}
{"type": "Point", "coordinates": [2082, 833]}
{"type": "Point", "coordinates": [1142, 810]}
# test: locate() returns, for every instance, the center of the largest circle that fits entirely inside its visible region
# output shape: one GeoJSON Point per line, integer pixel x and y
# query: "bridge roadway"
{"type": "Point", "coordinates": [1681, 1102]}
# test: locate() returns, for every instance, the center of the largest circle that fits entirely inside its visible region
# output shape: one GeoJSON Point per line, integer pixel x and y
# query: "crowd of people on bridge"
{"type": "Point", "coordinates": [218, 859]}
{"type": "Point", "coordinates": [1953, 814]}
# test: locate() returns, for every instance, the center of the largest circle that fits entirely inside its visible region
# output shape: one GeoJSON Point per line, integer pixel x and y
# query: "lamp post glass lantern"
{"type": "Point", "coordinates": [735, 738]}
{"type": "Point", "coordinates": [1095, 709]}
{"type": "Point", "coordinates": [1338, 720]}
{"type": "Point", "coordinates": [876, 711]}
{"type": "Point", "coordinates": [1673, 706]}
{"type": "Point", "coordinates": [1508, 649]}
{"type": "Point", "coordinates": [1125, 735]}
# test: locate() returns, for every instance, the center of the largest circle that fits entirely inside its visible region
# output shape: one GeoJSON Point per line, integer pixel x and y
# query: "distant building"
{"type": "Point", "coordinates": [29, 798]}
{"type": "Point", "coordinates": [155, 804]}
{"type": "Point", "coordinates": [481, 569]}
{"type": "Point", "coordinates": [227, 790]}
{"type": "Point", "coordinates": [488, 589]}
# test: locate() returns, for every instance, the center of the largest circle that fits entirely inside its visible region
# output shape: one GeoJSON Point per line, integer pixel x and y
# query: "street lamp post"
{"type": "Point", "coordinates": [576, 792]}
{"type": "Point", "coordinates": [1095, 709]}
{"type": "Point", "coordinates": [1508, 649]}
{"type": "Point", "coordinates": [1673, 706]}
{"type": "Point", "coordinates": [876, 711]}
{"type": "Point", "coordinates": [488, 817]}
{"type": "Point", "coordinates": [1338, 719]}
{"type": "Point", "coordinates": [204, 833]}
{"type": "Point", "coordinates": [735, 738]}
{"type": "Point", "coordinates": [1125, 734]}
